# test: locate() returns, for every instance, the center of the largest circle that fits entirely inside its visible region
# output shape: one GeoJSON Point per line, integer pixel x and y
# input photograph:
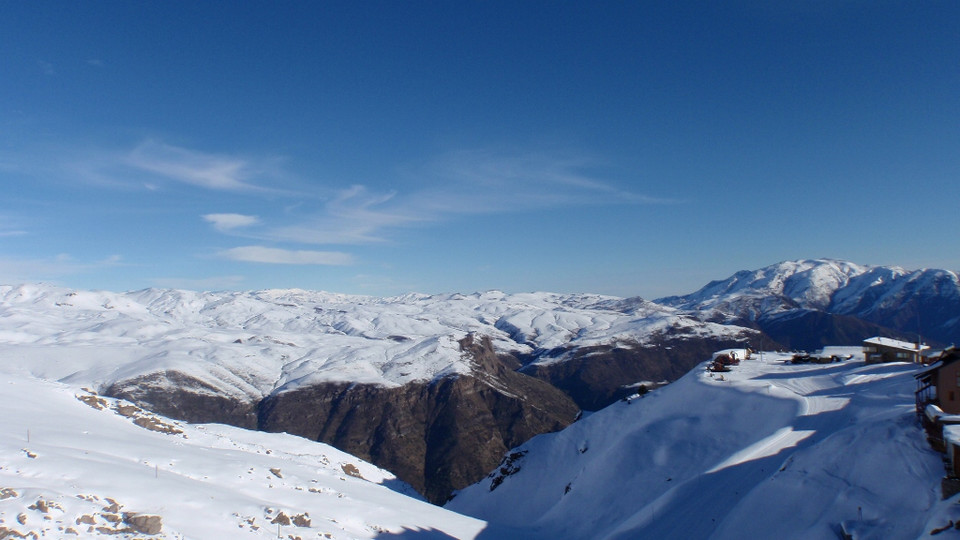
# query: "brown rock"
{"type": "Point", "coordinates": [438, 436]}
{"type": "Point", "coordinates": [144, 523]}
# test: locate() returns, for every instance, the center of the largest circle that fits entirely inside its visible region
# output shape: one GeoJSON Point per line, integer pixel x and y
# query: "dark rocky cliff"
{"type": "Point", "coordinates": [180, 396]}
{"type": "Point", "coordinates": [437, 436]}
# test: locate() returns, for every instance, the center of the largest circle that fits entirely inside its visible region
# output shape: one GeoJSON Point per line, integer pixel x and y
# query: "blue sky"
{"type": "Point", "coordinates": [627, 148]}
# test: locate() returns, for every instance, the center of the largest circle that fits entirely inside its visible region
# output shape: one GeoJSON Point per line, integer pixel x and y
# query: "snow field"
{"type": "Point", "coordinates": [247, 345]}
{"type": "Point", "coordinates": [87, 467]}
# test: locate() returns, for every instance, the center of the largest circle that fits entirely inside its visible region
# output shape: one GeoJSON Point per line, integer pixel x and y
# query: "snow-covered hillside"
{"type": "Point", "coordinates": [250, 344]}
{"type": "Point", "coordinates": [769, 450]}
{"type": "Point", "coordinates": [79, 465]}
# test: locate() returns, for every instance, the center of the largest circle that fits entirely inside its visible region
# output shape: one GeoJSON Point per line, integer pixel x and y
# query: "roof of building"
{"type": "Point", "coordinates": [895, 343]}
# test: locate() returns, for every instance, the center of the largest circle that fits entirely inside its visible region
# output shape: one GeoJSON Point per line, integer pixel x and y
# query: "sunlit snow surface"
{"type": "Point", "coordinates": [64, 464]}
{"type": "Point", "coordinates": [768, 450]}
{"type": "Point", "coordinates": [250, 344]}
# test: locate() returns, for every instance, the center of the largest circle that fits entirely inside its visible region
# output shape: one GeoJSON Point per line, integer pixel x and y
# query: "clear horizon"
{"type": "Point", "coordinates": [383, 148]}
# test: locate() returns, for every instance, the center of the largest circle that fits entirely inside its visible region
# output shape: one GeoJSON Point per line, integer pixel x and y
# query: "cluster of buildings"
{"type": "Point", "coordinates": [938, 408]}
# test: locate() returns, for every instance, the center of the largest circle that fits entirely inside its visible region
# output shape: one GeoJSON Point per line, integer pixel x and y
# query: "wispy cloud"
{"type": "Point", "coordinates": [485, 181]}
{"type": "Point", "coordinates": [229, 222]}
{"type": "Point", "coordinates": [261, 254]}
{"type": "Point", "coordinates": [354, 216]}
{"type": "Point", "coordinates": [459, 183]}
{"type": "Point", "coordinates": [205, 170]}
{"type": "Point", "coordinates": [15, 270]}
{"type": "Point", "coordinates": [10, 228]}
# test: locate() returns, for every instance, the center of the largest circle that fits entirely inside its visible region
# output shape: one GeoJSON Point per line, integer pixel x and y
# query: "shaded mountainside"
{"type": "Point", "coordinates": [598, 376]}
{"type": "Point", "coordinates": [808, 330]}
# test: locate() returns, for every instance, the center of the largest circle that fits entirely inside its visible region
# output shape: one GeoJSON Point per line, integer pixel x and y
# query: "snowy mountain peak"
{"type": "Point", "coordinates": [807, 282]}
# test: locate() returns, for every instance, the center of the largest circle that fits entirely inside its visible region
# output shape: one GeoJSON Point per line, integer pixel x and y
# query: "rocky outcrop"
{"type": "Point", "coordinates": [438, 436]}
{"type": "Point", "coordinates": [180, 396]}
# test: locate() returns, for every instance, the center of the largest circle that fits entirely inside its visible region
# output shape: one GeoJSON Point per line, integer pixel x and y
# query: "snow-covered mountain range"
{"type": "Point", "coordinates": [446, 383]}
{"type": "Point", "coordinates": [251, 344]}
{"type": "Point", "coordinates": [436, 374]}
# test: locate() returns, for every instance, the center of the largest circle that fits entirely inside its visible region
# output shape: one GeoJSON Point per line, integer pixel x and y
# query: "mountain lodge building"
{"type": "Point", "coordinates": [880, 349]}
{"type": "Point", "coordinates": [940, 383]}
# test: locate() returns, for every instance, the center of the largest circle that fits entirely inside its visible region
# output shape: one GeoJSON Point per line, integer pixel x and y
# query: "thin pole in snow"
{"type": "Point", "coordinates": [28, 435]}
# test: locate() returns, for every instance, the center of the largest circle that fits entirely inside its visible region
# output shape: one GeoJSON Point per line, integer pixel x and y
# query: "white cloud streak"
{"type": "Point", "coordinates": [261, 254]}
{"type": "Point", "coordinates": [354, 216]}
{"type": "Point", "coordinates": [460, 183]}
{"type": "Point", "coordinates": [16, 270]}
{"type": "Point", "coordinates": [228, 222]}
{"type": "Point", "coordinates": [487, 182]}
{"type": "Point", "coordinates": [191, 167]}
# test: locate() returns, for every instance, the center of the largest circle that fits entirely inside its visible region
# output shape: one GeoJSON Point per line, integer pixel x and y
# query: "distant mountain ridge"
{"type": "Point", "coordinates": [842, 297]}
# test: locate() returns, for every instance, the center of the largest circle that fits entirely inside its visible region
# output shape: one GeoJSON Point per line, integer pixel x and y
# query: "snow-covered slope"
{"type": "Point", "coordinates": [769, 450]}
{"type": "Point", "coordinates": [73, 464]}
{"type": "Point", "coordinates": [251, 344]}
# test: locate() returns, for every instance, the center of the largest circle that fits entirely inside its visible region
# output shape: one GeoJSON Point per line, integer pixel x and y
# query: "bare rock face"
{"type": "Point", "coordinates": [438, 436]}
{"type": "Point", "coordinates": [180, 396]}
